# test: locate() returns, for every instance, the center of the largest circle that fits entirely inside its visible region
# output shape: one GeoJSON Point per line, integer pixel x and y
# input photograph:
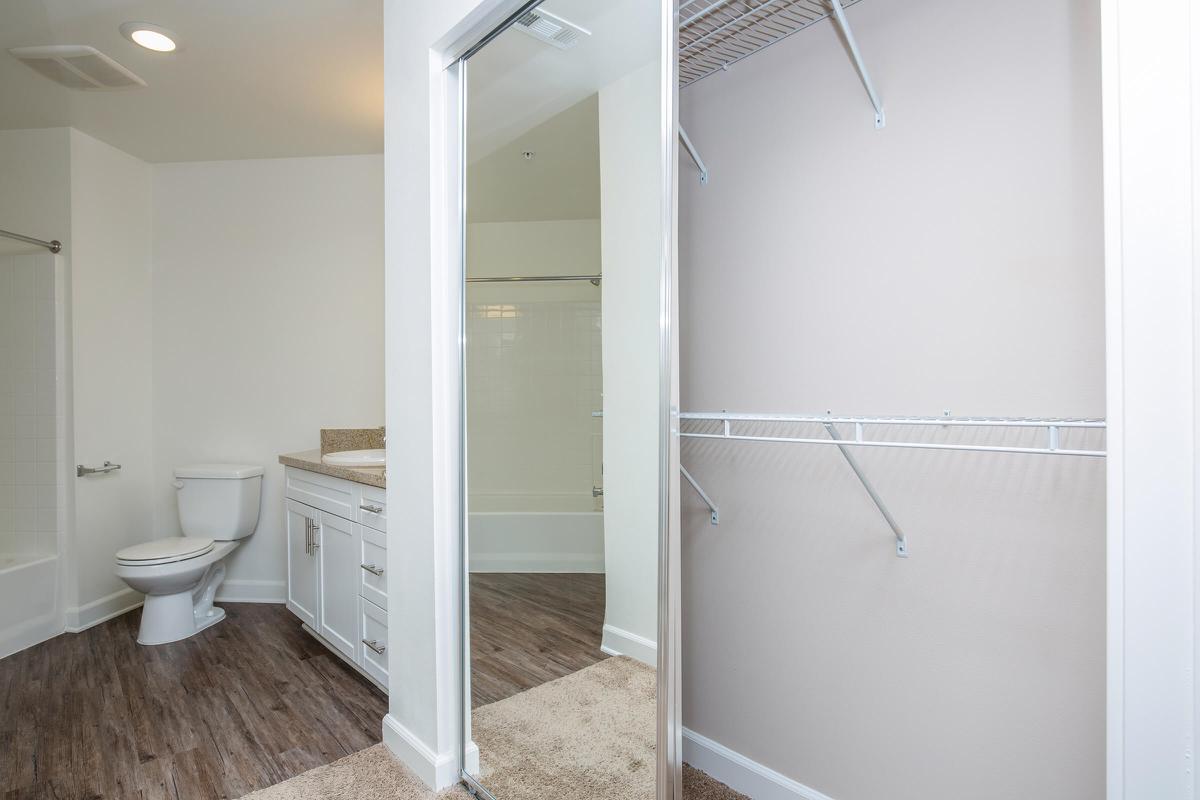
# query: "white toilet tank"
{"type": "Point", "coordinates": [218, 501]}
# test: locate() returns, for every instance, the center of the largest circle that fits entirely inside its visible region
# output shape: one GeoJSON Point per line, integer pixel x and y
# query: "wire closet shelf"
{"type": "Point", "coordinates": [861, 429]}
{"type": "Point", "coordinates": [714, 34]}
{"type": "Point", "coordinates": [1037, 436]}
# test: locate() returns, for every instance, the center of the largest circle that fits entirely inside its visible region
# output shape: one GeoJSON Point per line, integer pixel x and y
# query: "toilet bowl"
{"type": "Point", "coordinates": [180, 575]}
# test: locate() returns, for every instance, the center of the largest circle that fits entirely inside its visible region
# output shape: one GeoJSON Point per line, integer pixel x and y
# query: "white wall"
{"type": "Point", "coordinates": [35, 195]}
{"type": "Point", "coordinates": [112, 334]}
{"type": "Point", "coordinates": [950, 261]}
{"type": "Point", "coordinates": [268, 325]}
{"type": "Point", "coordinates": [631, 244]}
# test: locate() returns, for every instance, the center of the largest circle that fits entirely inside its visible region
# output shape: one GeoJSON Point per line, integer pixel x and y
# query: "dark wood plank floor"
{"type": "Point", "coordinates": [527, 629]}
{"type": "Point", "coordinates": [243, 705]}
{"type": "Point", "coordinates": [249, 702]}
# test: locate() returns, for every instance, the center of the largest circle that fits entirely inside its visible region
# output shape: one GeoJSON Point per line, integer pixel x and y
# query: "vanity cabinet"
{"type": "Point", "coordinates": [336, 566]}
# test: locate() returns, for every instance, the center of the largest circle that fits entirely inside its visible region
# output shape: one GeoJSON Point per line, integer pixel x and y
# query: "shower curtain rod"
{"type": "Point", "coordinates": [595, 279]}
{"type": "Point", "coordinates": [53, 245]}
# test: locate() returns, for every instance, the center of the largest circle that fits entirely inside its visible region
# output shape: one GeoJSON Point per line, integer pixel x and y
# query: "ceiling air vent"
{"type": "Point", "coordinates": [551, 29]}
{"type": "Point", "coordinates": [77, 66]}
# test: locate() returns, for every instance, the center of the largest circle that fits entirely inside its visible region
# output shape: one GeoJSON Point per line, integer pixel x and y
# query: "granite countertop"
{"type": "Point", "coordinates": [334, 440]}
{"type": "Point", "coordinates": [311, 460]}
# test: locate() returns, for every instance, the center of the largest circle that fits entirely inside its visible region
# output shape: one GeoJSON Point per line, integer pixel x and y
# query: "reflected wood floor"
{"type": "Point", "coordinates": [531, 628]}
{"type": "Point", "coordinates": [243, 705]}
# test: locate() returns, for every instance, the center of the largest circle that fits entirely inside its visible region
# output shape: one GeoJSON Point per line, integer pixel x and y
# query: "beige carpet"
{"type": "Point", "coordinates": [588, 735]}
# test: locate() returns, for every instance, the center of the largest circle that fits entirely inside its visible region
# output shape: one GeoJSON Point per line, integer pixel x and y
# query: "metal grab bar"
{"type": "Point", "coordinates": [81, 470]}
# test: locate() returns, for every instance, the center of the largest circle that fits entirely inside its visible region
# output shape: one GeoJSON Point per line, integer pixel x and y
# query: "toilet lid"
{"type": "Point", "coordinates": [164, 551]}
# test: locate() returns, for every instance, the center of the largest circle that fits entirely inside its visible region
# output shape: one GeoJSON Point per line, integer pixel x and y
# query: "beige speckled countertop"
{"type": "Point", "coordinates": [311, 460]}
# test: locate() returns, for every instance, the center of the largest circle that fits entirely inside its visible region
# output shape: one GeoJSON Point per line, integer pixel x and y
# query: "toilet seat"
{"type": "Point", "coordinates": [164, 551]}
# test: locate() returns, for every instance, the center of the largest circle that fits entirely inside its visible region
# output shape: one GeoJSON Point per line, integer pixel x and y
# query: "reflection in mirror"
{"type": "Point", "coordinates": [562, 397]}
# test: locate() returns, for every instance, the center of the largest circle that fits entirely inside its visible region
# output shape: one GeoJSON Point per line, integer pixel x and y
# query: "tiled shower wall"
{"type": "Point", "coordinates": [533, 381]}
{"type": "Point", "coordinates": [30, 482]}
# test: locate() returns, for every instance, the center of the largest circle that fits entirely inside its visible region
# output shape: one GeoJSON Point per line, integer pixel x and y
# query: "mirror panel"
{"type": "Point", "coordinates": [563, 435]}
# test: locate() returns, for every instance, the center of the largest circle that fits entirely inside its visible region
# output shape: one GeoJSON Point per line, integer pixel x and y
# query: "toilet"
{"type": "Point", "coordinates": [218, 507]}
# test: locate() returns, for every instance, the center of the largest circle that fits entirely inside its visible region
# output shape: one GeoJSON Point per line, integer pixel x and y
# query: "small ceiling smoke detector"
{"type": "Point", "coordinates": [551, 28]}
{"type": "Point", "coordinates": [77, 66]}
{"type": "Point", "coordinates": [151, 37]}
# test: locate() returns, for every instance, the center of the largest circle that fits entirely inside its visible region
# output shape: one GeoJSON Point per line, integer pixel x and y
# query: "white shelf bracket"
{"type": "Point", "coordinates": [691, 148]}
{"type": "Point", "coordinates": [840, 14]}
{"type": "Point", "coordinates": [901, 539]}
{"type": "Point", "coordinates": [714, 514]}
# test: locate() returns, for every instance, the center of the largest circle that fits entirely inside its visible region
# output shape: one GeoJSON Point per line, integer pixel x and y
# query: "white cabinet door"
{"type": "Point", "coordinates": [339, 548]}
{"type": "Point", "coordinates": [302, 585]}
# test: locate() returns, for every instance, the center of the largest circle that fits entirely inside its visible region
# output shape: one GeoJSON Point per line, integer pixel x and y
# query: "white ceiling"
{"type": "Point", "coordinates": [277, 78]}
{"type": "Point", "coordinates": [517, 82]}
{"type": "Point", "coordinates": [251, 78]}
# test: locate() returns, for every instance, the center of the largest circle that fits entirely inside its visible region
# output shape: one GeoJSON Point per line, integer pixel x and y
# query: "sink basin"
{"type": "Point", "coordinates": [362, 459]}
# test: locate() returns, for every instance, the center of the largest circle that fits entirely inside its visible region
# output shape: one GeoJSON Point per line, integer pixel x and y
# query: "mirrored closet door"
{"type": "Point", "coordinates": [565, 439]}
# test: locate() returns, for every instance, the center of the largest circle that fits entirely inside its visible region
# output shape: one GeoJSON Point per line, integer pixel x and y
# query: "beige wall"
{"type": "Point", "coordinates": [951, 261]}
{"type": "Point", "coordinates": [268, 325]}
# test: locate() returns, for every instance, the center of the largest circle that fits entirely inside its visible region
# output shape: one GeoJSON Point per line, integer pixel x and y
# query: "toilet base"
{"type": "Point", "coordinates": [170, 618]}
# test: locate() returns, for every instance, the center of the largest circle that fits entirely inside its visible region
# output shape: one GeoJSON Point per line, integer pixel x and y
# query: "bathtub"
{"type": "Point", "coordinates": [533, 541]}
{"type": "Point", "coordinates": [29, 607]}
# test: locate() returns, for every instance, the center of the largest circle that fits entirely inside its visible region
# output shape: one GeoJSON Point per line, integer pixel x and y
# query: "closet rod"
{"type": "Point", "coordinates": [691, 148]}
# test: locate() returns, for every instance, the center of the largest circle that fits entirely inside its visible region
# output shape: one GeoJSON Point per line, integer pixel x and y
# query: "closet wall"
{"type": "Point", "coordinates": [950, 261]}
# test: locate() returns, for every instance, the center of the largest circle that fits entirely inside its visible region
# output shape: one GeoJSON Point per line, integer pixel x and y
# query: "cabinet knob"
{"type": "Point", "coordinates": [374, 570]}
{"type": "Point", "coordinates": [375, 645]}
{"type": "Point", "coordinates": [372, 509]}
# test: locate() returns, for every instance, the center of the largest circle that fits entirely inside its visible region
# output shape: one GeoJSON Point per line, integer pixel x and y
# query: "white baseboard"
{"type": "Point", "coordinates": [80, 618]}
{"type": "Point", "coordinates": [245, 591]}
{"type": "Point", "coordinates": [741, 773]}
{"type": "Point", "coordinates": [119, 602]}
{"type": "Point", "coordinates": [537, 562]}
{"type": "Point", "coordinates": [618, 642]}
{"type": "Point", "coordinates": [437, 771]}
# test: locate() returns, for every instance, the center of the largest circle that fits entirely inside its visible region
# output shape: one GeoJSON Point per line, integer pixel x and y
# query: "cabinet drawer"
{"type": "Point", "coordinates": [374, 630]}
{"type": "Point", "coordinates": [372, 508]}
{"type": "Point", "coordinates": [321, 491]}
{"type": "Point", "coordinates": [374, 562]}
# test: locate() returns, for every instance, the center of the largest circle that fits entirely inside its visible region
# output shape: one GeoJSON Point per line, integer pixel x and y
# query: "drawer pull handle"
{"type": "Point", "coordinates": [371, 508]}
{"type": "Point", "coordinates": [374, 645]}
{"type": "Point", "coordinates": [374, 570]}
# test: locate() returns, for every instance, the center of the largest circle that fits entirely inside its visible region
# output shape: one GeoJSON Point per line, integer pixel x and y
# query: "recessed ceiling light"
{"type": "Point", "coordinates": [151, 37]}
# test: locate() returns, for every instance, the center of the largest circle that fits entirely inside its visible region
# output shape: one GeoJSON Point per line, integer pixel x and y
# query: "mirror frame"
{"type": "Point", "coordinates": [669, 728]}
